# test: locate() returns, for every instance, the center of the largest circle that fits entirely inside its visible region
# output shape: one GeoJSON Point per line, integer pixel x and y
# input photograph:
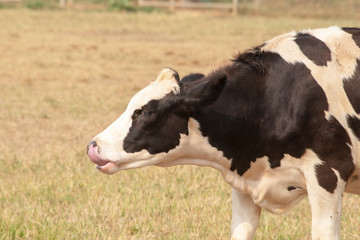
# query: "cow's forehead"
{"type": "Point", "coordinates": [166, 82]}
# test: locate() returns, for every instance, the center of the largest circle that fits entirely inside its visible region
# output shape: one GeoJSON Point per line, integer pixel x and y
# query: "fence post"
{"type": "Point", "coordinates": [235, 7]}
{"type": "Point", "coordinates": [66, 3]}
{"type": "Point", "coordinates": [172, 5]}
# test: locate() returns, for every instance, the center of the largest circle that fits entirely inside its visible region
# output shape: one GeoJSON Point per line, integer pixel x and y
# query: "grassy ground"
{"type": "Point", "coordinates": [65, 75]}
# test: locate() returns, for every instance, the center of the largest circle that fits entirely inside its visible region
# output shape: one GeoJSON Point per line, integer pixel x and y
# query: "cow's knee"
{"type": "Point", "coordinates": [245, 216]}
{"type": "Point", "coordinates": [243, 231]}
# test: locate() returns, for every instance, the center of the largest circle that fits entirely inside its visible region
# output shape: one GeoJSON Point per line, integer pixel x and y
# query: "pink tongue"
{"type": "Point", "coordinates": [95, 158]}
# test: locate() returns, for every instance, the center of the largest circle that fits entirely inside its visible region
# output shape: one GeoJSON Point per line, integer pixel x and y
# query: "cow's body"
{"type": "Point", "coordinates": [280, 122]}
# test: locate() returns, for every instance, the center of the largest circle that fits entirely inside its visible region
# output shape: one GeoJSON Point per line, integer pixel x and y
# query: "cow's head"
{"type": "Point", "coordinates": [152, 128]}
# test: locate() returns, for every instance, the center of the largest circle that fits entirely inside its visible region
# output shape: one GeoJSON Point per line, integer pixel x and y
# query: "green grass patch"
{"type": "Point", "coordinates": [121, 5]}
{"type": "Point", "coordinates": [41, 4]}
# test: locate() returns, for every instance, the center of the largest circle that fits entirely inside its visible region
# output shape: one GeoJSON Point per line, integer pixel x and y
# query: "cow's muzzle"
{"type": "Point", "coordinates": [104, 165]}
{"type": "Point", "coordinates": [93, 153]}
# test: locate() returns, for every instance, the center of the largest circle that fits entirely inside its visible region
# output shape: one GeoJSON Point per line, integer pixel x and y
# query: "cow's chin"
{"type": "Point", "coordinates": [109, 168]}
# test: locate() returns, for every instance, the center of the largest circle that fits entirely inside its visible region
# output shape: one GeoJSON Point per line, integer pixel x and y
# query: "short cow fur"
{"type": "Point", "coordinates": [280, 122]}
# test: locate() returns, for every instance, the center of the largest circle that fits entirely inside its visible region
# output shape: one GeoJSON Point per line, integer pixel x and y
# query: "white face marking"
{"type": "Point", "coordinates": [110, 141]}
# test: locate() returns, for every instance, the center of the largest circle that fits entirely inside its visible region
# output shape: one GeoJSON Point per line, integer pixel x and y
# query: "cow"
{"type": "Point", "coordinates": [280, 122]}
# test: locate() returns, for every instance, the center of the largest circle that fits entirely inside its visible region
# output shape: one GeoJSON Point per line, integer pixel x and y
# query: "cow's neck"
{"type": "Point", "coordinates": [204, 153]}
{"type": "Point", "coordinates": [232, 123]}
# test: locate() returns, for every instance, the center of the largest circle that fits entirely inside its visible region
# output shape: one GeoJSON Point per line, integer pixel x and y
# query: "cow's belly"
{"type": "Point", "coordinates": [279, 189]}
{"type": "Point", "coordinates": [275, 189]}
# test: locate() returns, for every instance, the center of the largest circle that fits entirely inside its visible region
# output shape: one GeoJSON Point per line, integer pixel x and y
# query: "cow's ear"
{"type": "Point", "coordinates": [208, 90]}
{"type": "Point", "coordinates": [192, 77]}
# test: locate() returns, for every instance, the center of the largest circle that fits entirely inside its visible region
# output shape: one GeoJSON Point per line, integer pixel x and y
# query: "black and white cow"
{"type": "Point", "coordinates": [280, 122]}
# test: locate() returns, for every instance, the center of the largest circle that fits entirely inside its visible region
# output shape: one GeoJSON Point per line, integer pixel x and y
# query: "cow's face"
{"type": "Point", "coordinates": [151, 128]}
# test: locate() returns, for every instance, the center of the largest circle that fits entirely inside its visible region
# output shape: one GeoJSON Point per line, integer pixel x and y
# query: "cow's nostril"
{"type": "Point", "coordinates": [92, 143]}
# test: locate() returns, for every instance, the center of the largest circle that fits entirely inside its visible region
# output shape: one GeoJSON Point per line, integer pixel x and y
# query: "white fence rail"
{"type": "Point", "coordinates": [172, 4]}
{"type": "Point", "coordinates": [66, 3]}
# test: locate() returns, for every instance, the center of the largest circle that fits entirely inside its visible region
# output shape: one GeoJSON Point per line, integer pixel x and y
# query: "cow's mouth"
{"type": "Point", "coordinates": [103, 165]}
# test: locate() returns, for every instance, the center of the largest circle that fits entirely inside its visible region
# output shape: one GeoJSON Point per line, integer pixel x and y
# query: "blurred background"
{"type": "Point", "coordinates": [68, 70]}
{"type": "Point", "coordinates": [295, 8]}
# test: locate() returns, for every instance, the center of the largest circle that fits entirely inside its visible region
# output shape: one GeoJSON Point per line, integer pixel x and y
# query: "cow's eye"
{"type": "Point", "coordinates": [141, 112]}
{"type": "Point", "coordinates": [145, 113]}
{"type": "Point", "coordinates": [136, 113]}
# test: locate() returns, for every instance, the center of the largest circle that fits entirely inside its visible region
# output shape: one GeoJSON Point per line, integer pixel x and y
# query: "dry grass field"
{"type": "Point", "coordinates": [66, 75]}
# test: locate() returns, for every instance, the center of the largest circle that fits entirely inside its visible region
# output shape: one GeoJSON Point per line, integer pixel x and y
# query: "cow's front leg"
{"type": "Point", "coordinates": [326, 211]}
{"type": "Point", "coordinates": [245, 216]}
